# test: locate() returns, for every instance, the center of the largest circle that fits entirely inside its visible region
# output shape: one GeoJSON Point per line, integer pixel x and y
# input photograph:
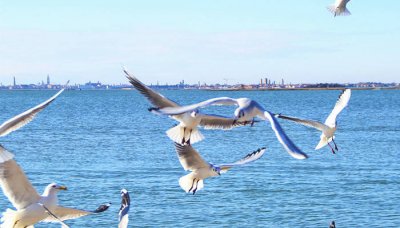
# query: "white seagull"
{"type": "Point", "coordinates": [186, 132]}
{"type": "Point", "coordinates": [339, 8]}
{"type": "Point", "coordinates": [123, 215]}
{"type": "Point", "coordinates": [329, 127]}
{"type": "Point", "coordinates": [191, 160]}
{"type": "Point", "coordinates": [22, 119]}
{"type": "Point", "coordinates": [248, 109]}
{"type": "Point", "coordinates": [31, 207]}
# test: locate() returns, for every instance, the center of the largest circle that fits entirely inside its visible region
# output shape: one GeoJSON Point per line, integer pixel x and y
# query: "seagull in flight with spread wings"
{"type": "Point", "coordinates": [339, 8]}
{"type": "Point", "coordinates": [191, 160]}
{"type": "Point", "coordinates": [247, 110]}
{"type": "Point", "coordinates": [123, 215]}
{"type": "Point", "coordinates": [22, 119]}
{"type": "Point", "coordinates": [31, 207]}
{"type": "Point", "coordinates": [187, 131]}
{"type": "Point", "coordinates": [329, 127]}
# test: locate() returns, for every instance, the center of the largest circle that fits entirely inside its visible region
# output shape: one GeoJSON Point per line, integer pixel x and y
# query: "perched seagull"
{"type": "Point", "coordinates": [329, 127]}
{"type": "Point", "coordinates": [123, 211]}
{"type": "Point", "coordinates": [191, 160]}
{"type": "Point", "coordinates": [32, 207]}
{"type": "Point", "coordinates": [246, 112]}
{"type": "Point", "coordinates": [186, 132]}
{"type": "Point", "coordinates": [22, 119]}
{"type": "Point", "coordinates": [339, 8]}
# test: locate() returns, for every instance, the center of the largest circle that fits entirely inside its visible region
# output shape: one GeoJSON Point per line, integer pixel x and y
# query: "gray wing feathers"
{"type": "Point", "coordinates": [255, 155]}
{"type": "Point", "coordinates": [220, 122]}
{"type": "Point", "coordinates": [155, 98]}
{"type": "Point", "coordinates": [289, 146]}
{"type": "Point", "coordinates": [190, 108]}
{"type": "Point", "coordinates": [15, 184]}
{"type": "Point", "coordinates": [25, 117]}
{"type": "Point", "coordinates": [189, 158]}
{"type": "Point", "coordinates": [308, 123]}
{"type": "Point", "coordinates": [341, 103]}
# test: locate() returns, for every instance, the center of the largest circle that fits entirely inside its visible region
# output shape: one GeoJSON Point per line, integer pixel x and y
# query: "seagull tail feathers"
{"type": "Point", "coordinates": [8, 218]}
{"type": "Point", "coordinates": [188, 184]}
{"type": "Point", "coordinates": [337, 11]}
{"type": "Point", "coordinates": [323, 142]}
{"type": "Point", "coordinates": [5, 155]}
{"type": "Point", "coordinates": [179, 135]}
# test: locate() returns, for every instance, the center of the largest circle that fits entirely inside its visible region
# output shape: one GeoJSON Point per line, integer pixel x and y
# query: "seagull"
{"type": "Point", "coordinates": [191, 160]}
{"type": "Point", "coordinates": [332, 225]}
{"type": "Point", "coordinates": [123, 211]}
{"type": "Point", "coordinates": [22, 119]}
{"type": "Point", "coordinates": [247, 110]}
{"type": "Point", "coordinates": [339, 8]}
{"type": "Point", "coordinates": [329, 127]}
{"type": "Point", "coordinates": [186, 132]}
{"type": "Point", "coordinates": [31, 207]}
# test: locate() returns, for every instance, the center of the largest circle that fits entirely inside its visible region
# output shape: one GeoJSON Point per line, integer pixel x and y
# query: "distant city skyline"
{"type": "Point", "coordinates": [207, 41]}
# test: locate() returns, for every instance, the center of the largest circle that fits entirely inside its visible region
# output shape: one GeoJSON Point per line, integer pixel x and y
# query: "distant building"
{"type": "Point", "coordinates": [48, 80]}
{"type": "Point", "coordinates": [14, 82]}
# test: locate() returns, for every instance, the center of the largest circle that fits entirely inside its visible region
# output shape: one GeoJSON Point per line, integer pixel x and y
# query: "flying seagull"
{"type": "Point", "coordinates": [329, 127]}
{"type": "Point", "coordinates": [191, 160]}
{"type": "Point", "coordinates": [123, 211]}
{"type": "Point", "coordinates": [22, 119]}
{"type": "Point", "coordinates": [186, 132]}
{"type": "Point", "coordinates": [246, 112]}
{"type": "Point", "coordinates": [339, 8]}
{"type": "Point", "coordinates": [31, 207]}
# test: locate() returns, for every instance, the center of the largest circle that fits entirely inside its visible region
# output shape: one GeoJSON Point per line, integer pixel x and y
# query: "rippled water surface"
{"type": "Point", "coordinates": [97, 142]}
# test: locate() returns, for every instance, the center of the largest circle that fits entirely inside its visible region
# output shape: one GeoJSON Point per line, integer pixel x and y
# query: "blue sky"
{"type": "Point", "coordinates": [208, 41]}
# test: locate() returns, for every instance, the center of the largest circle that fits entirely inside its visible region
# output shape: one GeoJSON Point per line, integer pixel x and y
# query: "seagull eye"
{"type": "Point", "coordinates": [53, 186]}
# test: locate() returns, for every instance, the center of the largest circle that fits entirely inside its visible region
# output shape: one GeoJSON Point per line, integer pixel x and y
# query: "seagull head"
{"type": "Point", "coordinates": [194, 113]}
{"type": "Point", "coordinates": [53, 188]}
{"type": "Point", "coordinates": [216, 169]}
{"type": "Point", "coordinates": [239, 113]}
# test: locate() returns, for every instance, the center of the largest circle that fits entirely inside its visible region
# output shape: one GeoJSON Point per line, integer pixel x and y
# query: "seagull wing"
{"type": "Point", "coordinates": [123, 215]}
{"type": "Point", "coordinates": [65, 213]}
{"type": "Point", "coordinates": [209, 121]}
{"type": "Point", "coordinates": [341, 103]}
{"type": "Point", "coordinates": [14, 183]}
{"type": "Point", "coordinates": [189, 158]}
{"type": "Point", "coordinates": [155, 98]}
{"type": "Point", "coordinates": [308, 123]}
{"type": "Point", "coordinates": [248, 158]}
{"type": "Point", "coordinates": [25, 117]}
{"type": "Point", "coordinates": [190, 108]}
{"type": "Point", "coordinates": [289, 146]}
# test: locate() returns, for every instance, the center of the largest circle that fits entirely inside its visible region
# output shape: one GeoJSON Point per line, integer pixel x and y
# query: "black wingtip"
{"type": "Point", "coordinates": [153, 109]}
{"type": "Point", "coordinates": [102, 208]}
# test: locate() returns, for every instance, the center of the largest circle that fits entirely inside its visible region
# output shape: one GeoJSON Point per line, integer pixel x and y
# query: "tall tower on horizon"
{"type": "Point", "coordinates": [48, 80]}
{"type": "Point", "coordinates": [14, 82]}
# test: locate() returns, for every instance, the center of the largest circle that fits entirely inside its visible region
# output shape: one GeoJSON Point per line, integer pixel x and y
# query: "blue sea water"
{"type": "Point", "coordinates": [97, 142]}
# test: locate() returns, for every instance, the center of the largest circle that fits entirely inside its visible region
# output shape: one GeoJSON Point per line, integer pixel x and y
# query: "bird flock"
{"type": "Point", "coordinates": [32, 208]}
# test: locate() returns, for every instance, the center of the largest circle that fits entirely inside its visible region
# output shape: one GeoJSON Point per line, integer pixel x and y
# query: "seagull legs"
{"type": "Point", "coordinates": [183, 138]}
{"type": "Point", "coordinates": [333, 151]}
{"type": "Point", "coordinates": [197, 183]}
{"type": "Point", "coordinates": [192, 185]}
{"type": "Point", "coordinates": [190, 135]}
{"type": "Point", "coordinates": [336, 148]}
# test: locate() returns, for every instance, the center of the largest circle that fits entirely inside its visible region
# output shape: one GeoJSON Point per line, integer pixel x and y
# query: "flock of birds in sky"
{"type": "Point", "coordinates": [32, 208]}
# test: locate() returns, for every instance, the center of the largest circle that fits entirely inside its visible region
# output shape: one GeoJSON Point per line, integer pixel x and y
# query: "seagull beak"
{"type": "Point", "coordinates": [62, 188]}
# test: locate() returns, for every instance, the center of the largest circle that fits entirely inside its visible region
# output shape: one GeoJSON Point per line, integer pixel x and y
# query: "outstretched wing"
{"type": "Point", "coordinates": [189, 158]}
{"type": "Point", "coordinates": [209, 121]}
{"type": "Point", "coordinates": [341, 103]}
{"type": "Point", "coordinates": [123, 215]}
{"type": "Point", "coordinates": [289, 146]}
{"type": "Point", "coordinates": [14, 183]}
{"type": "Point", "coordinates": [22, 119]}
{"type": "Point", "coordinates": [248, 158]}
{"type": "Point", "coordinates": [65, 213]}
{"type": "Point", "coordinates": [193, 107]}
{"type": "Point", "coordinates": [155, 98]}
{"type": "Point", "coordinates": [308, 123]}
